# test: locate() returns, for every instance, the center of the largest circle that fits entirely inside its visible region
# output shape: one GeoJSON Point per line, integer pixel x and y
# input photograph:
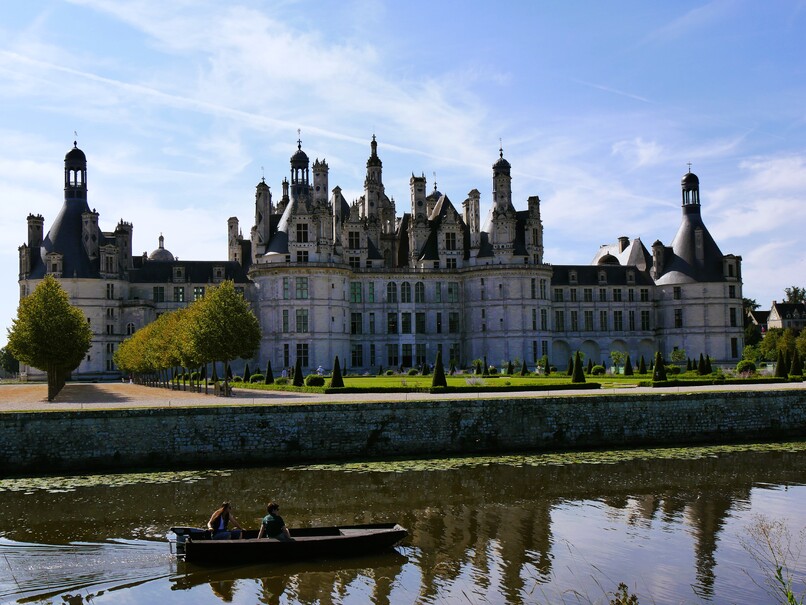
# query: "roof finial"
{"type": "Point", "coordinates": [500, 148]}
{"type": "Point", "coordinates": [435, 180]}
{"type": "Point", "coordinates": [262, 174]}
{"type": "Point", "coordinates": [689, 167]}
{"type": "Point", "coordinates": [75, 140]}
{"type": "Point", "coordinates": [299, 139]}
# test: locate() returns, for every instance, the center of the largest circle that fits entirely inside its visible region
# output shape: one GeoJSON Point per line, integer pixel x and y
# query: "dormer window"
{"type": "Point", "coordinates": [602, 277]}
{"type": "Point", "coordinates": [179, 274]}
{"type": "Point", "coordinates": [572, 277]}
{"type": "Point", "coordinates": [630, 277]}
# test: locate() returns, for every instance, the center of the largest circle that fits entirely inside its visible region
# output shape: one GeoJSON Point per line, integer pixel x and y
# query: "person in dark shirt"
{"type": "Point", "coordinates": [273, 525]}
{"type": "Point", "coordinates": [220, 520]}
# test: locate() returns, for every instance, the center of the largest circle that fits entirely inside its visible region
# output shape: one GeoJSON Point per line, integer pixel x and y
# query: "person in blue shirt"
{"type": "Point", "coordinates": [273, 525]}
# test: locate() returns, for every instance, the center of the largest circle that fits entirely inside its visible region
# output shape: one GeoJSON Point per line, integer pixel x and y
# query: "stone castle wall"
{"type": "Point", "coordinates": [41, 443]}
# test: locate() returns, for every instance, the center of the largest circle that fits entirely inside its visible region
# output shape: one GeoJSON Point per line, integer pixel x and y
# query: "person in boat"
{"type": "Point", "coordinates": [273, 525]}
{"type": "Point", "coordinates": [219, 522]}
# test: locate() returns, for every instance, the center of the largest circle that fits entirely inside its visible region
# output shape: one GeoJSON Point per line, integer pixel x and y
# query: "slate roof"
{"type": "Point", "coordinates": [588, 275]}
{"type": "Point", "coordinates": [196, 271]}
{"type": "Point", "coordinates": [682, 265]}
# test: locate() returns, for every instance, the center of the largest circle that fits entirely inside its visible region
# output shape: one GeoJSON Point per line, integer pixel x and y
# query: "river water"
{"type": "Point", "coordinates": [675, 525]}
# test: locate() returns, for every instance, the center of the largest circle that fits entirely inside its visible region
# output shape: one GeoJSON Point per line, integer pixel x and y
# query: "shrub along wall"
{"type": "Point", "coordinates": [40, 443]}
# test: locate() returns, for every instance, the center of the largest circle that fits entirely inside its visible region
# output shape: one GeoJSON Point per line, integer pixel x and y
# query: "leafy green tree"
{"type": "Point", "coordinates": [618, 358]}
{"type": "Point", "coordinates": [50, 334]}
{"type": "Point", "coordinates": [578, 375]}
{"type": "Point", "coordinates": [222, 327]}
{"type": "Point", "coordinates": [678, 355]}
{"type": "Point", "coordinates": [336, 381]}
{"type": "Point", "coordinates": [439, 379]}
{"type": "Point", "coordinates": [752, 353]}
{"type": "Point", "coordinates": [794, 294]}
{"type": "Point", "coordinates": [8, 362]}
{"type": "Point", "coordinates": [660, 368]}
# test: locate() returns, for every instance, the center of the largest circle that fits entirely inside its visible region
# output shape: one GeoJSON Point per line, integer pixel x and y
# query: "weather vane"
{"type": "Point", "coordinates": [689, 166]}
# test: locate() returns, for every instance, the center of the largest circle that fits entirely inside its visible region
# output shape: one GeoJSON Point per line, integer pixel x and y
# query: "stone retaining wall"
{"type": "Point", "coordinates": [40, 443]}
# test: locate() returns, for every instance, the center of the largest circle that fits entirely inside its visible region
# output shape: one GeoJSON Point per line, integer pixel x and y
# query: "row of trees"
{"type": "Point", "coordinates": [219, 327]}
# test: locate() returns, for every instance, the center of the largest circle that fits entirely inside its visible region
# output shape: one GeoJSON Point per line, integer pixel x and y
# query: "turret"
{"type": "Point", "coordinates": [263, 211]}
{"type": "Point", "coordinates": [502, 183]}
{"type": "Point", "coordinates": [233, 243]}
{"type": "Point", "coordinates": [472, 216]}
{"type": "Point", "coordinates": [299, 171]}
{"type": "Point", "coordinates": [75, 174]}
{"type": "Point", "coordinates": [90, 234]}
{"type": "Point", "coordinates": [36, 229]}
{"type": "Point", "coordinates": [123, 241]}
{"type": "Point", "coordinates": [418, 207]}
{"type": "Point", "coordinates": [320, 189]}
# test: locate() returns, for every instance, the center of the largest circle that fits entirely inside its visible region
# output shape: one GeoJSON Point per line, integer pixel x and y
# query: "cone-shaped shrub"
{"type": "Point", "coordinates": [780, 369]}
{"type": "Point", "coordinates": [336, 381]}
{"type": "Point", "coordinates": [708, 368]}
{"type": "Point", "coordinates": [590, 366]}
{"type": "Point", "coordinates": [578, 374]}
{"type": "Point", "coordinates": [548, 366]}
{"type": "Point", "coordinates": [787, 360]}
{"type": "Point", "coordinates": [523, 368]}
{"type": "Point", "coordinates": [439, 373]}
{"type": "Point", "coordinates": [214, 377]}
{"type": "Point", "coordinates": [380, 370]}
{"type": "Point", "coordinates": [660, 368]}
{"type": "Point", "coordinates": [701, 366]}
{"type": "Point", "coordinates": [269, 375]}
{"type": "Point", "coordinates": [229, 372]}
{"type": "Point", "coordinates": [571, 366]}
{"type": "Point", "coordinates": [628, 366]}
{"type": "Point", "coordinates": [796, 368]}
{"type": "Point", "coordinates": [510, 368]}
{"type": "Point", "coordinates": [246, 374]}
{"type": "Point", "coordinates": [298, 378]}
{"type": "Point", "coordinates": [688, 364]}
{"type": "Point", "coordinates": [641, 365]}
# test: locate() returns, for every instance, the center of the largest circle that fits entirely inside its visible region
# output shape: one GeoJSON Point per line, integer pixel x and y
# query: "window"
{"type": "Point", "coordinates": [603, 320]}
{"type": "Point", "coordinates": [573, 292]}
{"type": "Point", "coordinates": [371, 292]}
{"type": "Point", "coordinates": [618, 321]}
{"type": "Point", "coordinates": [559, 320]}
{"type": "Point", "coordinates": [406, 357]}
{"type": "Point", "coordinates": [198, 292]}
{"type": "Point", "coordinates": [302, 233]}
{"type": "Point", "coordinates": [286, 356]}
{"type": "Point", "coordinates": [602, 295]}
{"type": "Point", "coordinates": [355, 292]}
{"type": "Point", "coordinates": [543, 289]}
{"type": "Point", "coordinates": [372, 354]}
{"type": "Point", "coordinates": [616, 294]}
{"type": "Point", "coordinates": [732, 313]}
{"type": "Point", "coordinates": [286, 326]}
{"type": "Point", "coordinates": [678, 318]}
{"type": "Point", "coordinates": [558, 294]}
{"type": "Point", "coordinates": [356, 323]}
{"type": "Point", "coordinates": [632, 321]}
{"type": "Point", "coordinates": [129, 329]}
{"type": "Point", "coordinates": [302, 354]}
{"type": "Point", "coordinates": [450, 241]}
{"type": "Point", "coordinates": [732, 291]}
{"type": "Point", "coordinates": [574, 321]}
{"type": "Point", "coordinates": [438, 292]}
{"type": "Point", "coordinates": [392, 358]}
{"type": "Point", "coordinates": [302, 288]}
{"type": "Point", "coordinates": [544, 319]}
{"type": "Point", "coordinates": [630, 277]}
{"type": "Point", "coordinates": [453, 351]}
{"type": "Point", "coordinates": [110, 291]}
{"type": "Point", "coordinates": [391, 292]}
{"type": "Point", "coordinates": [439, 323]}
{"type": "Point", "coordinates": [587, 294]}
{"type": "Point", "coordinates": [405, 292]}
{"type": "Point", "coordinates": [110, 313]}
{"type": "Point", "coordinates": [453, 291]}
{"type": "Point", "coordinates": [534, 288]}
{"type": "Point", "coordinates": [419, 358]}
{"type": "Point", "coordinates": [391, 323]}
{"type": "Point", "coordinates": [302, 321]}
{"type": "Point", "coordinates": [589, 321]}
{"type": "Point", "coordinates": [419, 292]}
{"type": "Point", "coordinates": [419, 323]}
{"type": "Point", "coordinates": [644, 294]}
{"type": "Point", "coordinates": [645, 320]}
{"type": "Point", "coordinates": [453, 322]}
{"type": "Point", "coordinates": [405, 323]}
{"type": "Point", "coordinates": [677, 292]}
{"type": "Point", "coordinates": [734, 347]}
{"type": "Point", "coordinates": [179, 294]}
{"type": "Point", "coordinates": [572, 277]}
{"type": "Point", "coordinates": [450, 263]}
{"type": "Point", "coordinates": [354, 240]}
{"type": "Point", "coordinates": [302, 256]}
{"type": "Point", "coordinates": [110, 329]}
{"type": "Point", "coordinates": [631, 295]}
{"type": "Point", "coordinates": [356, 355]}
{"type": "Point", "coordinates": [602, 277]}
{"type": "Point", "coordinates": [354, 262]}
{"type": "Point", "coordinates": [534, 319]}
{"type": "Point", "coordinates": [286, 288]}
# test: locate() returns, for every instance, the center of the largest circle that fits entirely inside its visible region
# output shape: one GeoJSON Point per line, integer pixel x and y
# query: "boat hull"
{"type": "Point", "coordinates": [308, 543]}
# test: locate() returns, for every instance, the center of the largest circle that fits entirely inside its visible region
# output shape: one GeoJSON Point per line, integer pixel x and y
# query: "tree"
{"type": "Point", "coordinates": [659, 374]}
{"type": "Point", "coordinates": [678, 355]}
{"type": "Point", "coordinates": [246, 375]}
{"type": "Point", "coordinates": [523, 368]}
{"type": "Point", "coordinates": [618, 358]}
{"type": "Point", "coordinates": [795, 294]}
{"type": "Point", "coordinates": [510, 368]}
{"type": "Point", "coordinates": [628, 371]}
{"type": "Point", "coordinates": [701, 366]}
{"type": "Point", "coordinates": [439, 379]}
{"type": "Point", "coordinates": [298, 379]}
{"type": "Point", "coordinates": [336, 381]}
{"type": "Point", "coordinates": [8, 362]}
{"type": "Point", "coordinates": [570, 370]}
{"type": "Point", "coordinates": [578, 375]}
{"type": "Point", "coordinates": [222, 327]}
{"type": "Point", "coordinates": [780, 370]}
{"type": "Point", "coordinates": [269, 375]}
{"type": "Point", "coordinates": [796, 369]}
{"type": "Point", "coordinates": [590, 366]}
{"type": "Point", "coordinates": [642, 365]}
{"type": "Point", "coordinates": [50, 334]}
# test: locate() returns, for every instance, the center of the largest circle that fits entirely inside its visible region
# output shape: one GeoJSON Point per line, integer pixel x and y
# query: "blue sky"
{"type": "Point", "coordinates": [181, 107]}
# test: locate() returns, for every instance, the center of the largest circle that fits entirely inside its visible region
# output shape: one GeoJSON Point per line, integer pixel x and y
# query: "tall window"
{"type": "Point", "coordinates": [286, 288]}
{"type": "Point", "coordinates": [589, 321]}
{"type": "Point", "coordinates": [405, 292]}
{"type": "Point", "coordinates": [453, 322]}
{"type": "Point", "coordinates": [559, 320]}
{"type": "Point", "coordinates": [603, 320]}
{"type": "Point", "coordinates": [406, 356]}
{"type": "Point", "coordinates": [616, 294]}
{"type": "Point", "coordinates": [618, 320]}
{"type": "Point", "coordinates": [587, 294]}
{"type": "Point", "coordinates": [286, 325]}
{"type": "Point", "coordinates": [391, 292]}
{"type": "Point", "coordinates": [574, 321]}
{"type": "Point", "coordinates": [645, 320]}
{"type": "Point", "coordinates": [419, 354]}
{"type": "Point", "coordinates": [302, 354]}
{"type": "Point", "coordinates": [534, 288]}
{"type": "Point", "coordinates": [198, 292]}
{"type": "Point", "coordinates": [391, 323]}
{"type": "Point", "coordinates": [450, 241]}
{"type": "Point", "coordinates": [302, 320]}
{"type": "Point", "coordinates": [632, 321]}
{"type": "Point", "coordinates": [732, 313]}
{"type": "Point", "coordinates": [678, 318]}
{"type": "Point", "coordinates": [677, 292]}
{"type": "Point", "coordinates": [129, 329]}
{"type": "Point", "coordinates": [558, 295]}
{"type": "Point", "coordinates": [544, 319]}
{"type": "Point", "coordinates": [372, 323]}
{"type": "Point", "coordinates": [631, 295]}
{"type": "Point", "coordinates": [355, 292]}
{"type": "Point", "coordinates": [534, 319]}
{"type": "Point", "coordinates": [356, 355]}
{"type": "Point", "coordinates": [302, 256]}
{"type": "Point", "coordinates": [392, 358]}
{"type": "Point", "coordinates": [371, 292]}
{"type": "Point", "coordinates": [644, 294]}
{"type": "Point", "coordinates": [179, 294]}
{"type": "Point", "coordinates": [450, 263]}
{"type": "Point", "coordinates": [453, 291]}
{"type": "Point", "coordinates": [438, 292]}
{"type": "Point", "coordinates": [419, 323]}
{"type": "Point", "coordinates": [439, 323]}
{"type": "Point", "coordinates": [573, 293]}
{"type": "Point", "coordinates": [302, 288]}
{"type": "Point", "coordinates": [405, 323]}
{"type": "Point", "coordinates": [356, 323]}
{"type": "Point", "coordinates": [354, 240]}
{"type": "Point", "coordinates": [302, 233]}
{"type": "Point", "coordinates": [110, 291]}
{"type": "Point", "coordinates": [602, 295]}
{"type": "Point", "coordinates": [419, 292]}
{"type": "Point", "coordinates": [543, 289]}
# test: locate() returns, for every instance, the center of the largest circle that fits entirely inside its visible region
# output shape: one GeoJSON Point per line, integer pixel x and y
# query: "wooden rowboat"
{"type": "Point", "coordinates": [196, 545]}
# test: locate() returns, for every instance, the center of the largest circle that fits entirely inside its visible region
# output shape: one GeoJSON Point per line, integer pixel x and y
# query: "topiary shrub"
{"type": "Point", "coordinates": [257, 378]}
{"type": "Point", "coordinates": [281, 380]}
{"type": "Point", "coordinates": [745, 365]}
{"type": "Point", "coordinates": [674, 370]}
{"type": "Point", "coordinates": [314, 380]}
{"type": "Point", "coordinates": [597, 370]}
{"type": "Point", "coordinates": [390, 372]}
{"type": "Point", "coordinates": [413, 372]}
{"type": "Point", "coordinates": [236, 379]}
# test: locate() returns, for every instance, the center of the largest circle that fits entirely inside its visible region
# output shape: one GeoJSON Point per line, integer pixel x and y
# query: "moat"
{"type": "Point", "coordinates": [549, 528]}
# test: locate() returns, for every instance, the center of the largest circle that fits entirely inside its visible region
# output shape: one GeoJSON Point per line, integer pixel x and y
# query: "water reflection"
{"type": "Point", "coordinates": [500, 530]}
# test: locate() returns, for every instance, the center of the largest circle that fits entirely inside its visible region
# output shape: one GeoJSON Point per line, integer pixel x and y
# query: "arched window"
{"type": "Point", "coordinates": [405, 292]}
{"type": "Point", "coordinates": [129, 329]}
{"type": "Point", "coordinates": [419, 292]}
{"type": "Point", "coordinates": [391, 292]}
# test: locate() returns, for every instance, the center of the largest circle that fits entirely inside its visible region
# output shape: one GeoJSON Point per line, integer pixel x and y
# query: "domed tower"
{"type": "Point", "coordinates": [373, 183]}
{"type": "Point", "coordinates": [502, 182]}
{"type": "Point", "coordinates": [75, 174]}
{"type": "Point", "coordinates": [691, 191]}
{"type": "Point", "coordinates": [299, 171]}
